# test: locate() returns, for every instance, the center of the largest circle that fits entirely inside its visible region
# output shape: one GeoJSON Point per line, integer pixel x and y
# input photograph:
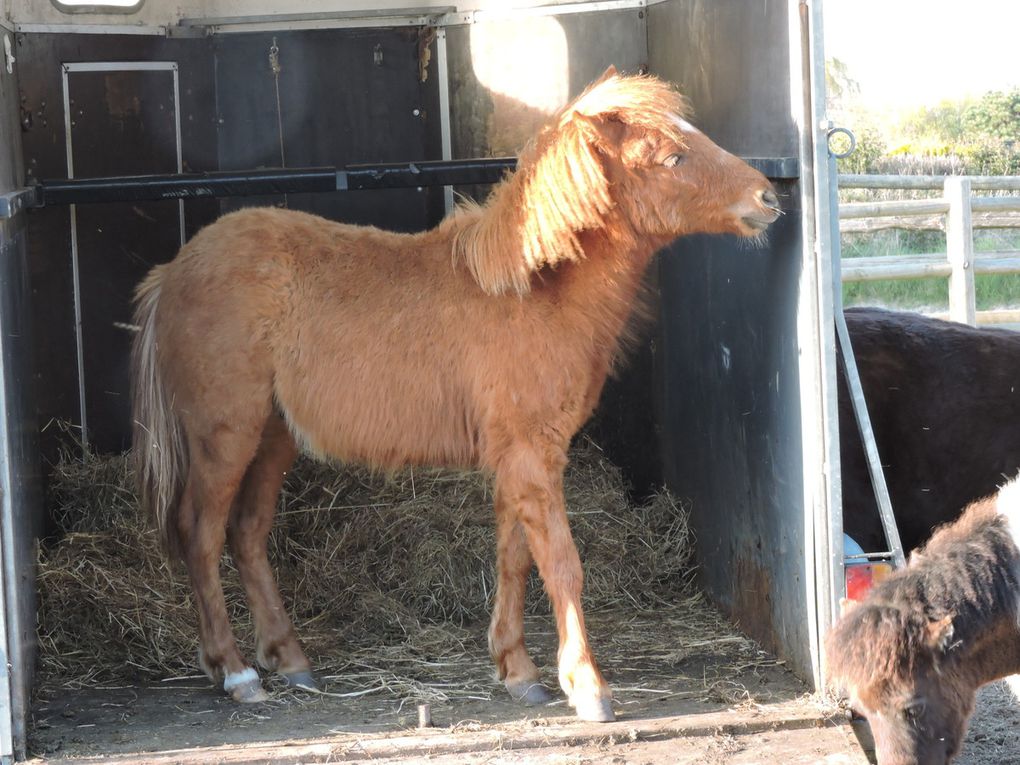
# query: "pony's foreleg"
{"type": "Point", "coordinates": [276, 644]}
{"type": "Point", "coordinates": [506, 630]}
{"type": "Point", "coordinates": [535, 490]}
{"type": "Point", "coordinates": [202, 525]}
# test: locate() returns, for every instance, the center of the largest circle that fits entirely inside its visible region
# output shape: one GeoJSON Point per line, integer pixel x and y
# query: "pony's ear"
{"type": "Point", "coordinates": [609, 73]}
{"type": "Point", "coordinates": [939, 634]}
{"type": "Point", "coordinates": [605, 130]}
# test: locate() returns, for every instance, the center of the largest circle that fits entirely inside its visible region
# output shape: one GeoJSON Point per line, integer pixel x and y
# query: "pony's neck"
{"type": "Point", "coordinates": [603, 286]}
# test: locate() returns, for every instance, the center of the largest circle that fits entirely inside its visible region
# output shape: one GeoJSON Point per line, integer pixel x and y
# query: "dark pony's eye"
{"type": "Point", "coordinates": [673, 160]}
{"type": "Point", "coordinates": [913, 712]}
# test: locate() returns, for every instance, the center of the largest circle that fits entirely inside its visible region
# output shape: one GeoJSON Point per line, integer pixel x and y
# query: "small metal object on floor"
{"type": "Point", "coordinates": [424, 715]}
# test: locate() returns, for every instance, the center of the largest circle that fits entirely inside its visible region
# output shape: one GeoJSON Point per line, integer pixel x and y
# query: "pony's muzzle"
{"type": "Point", "coordinates": [765, 210]}
{"type": "Point", "coordinates": [768, 199]}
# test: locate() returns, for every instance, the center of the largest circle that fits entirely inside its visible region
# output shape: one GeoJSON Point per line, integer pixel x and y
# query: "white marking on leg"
{"type": "Point", "coordinates": [237, 679]}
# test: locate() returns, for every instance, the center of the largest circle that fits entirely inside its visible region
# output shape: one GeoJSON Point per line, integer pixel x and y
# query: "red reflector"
{"type": "Point", "coordinates": [861, 577]}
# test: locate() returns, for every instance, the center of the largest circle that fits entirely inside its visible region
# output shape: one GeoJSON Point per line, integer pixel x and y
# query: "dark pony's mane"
{"type": "Point", "coordinates": [560, 187]}
{"type": "Point", "coordinates": [968, 572]}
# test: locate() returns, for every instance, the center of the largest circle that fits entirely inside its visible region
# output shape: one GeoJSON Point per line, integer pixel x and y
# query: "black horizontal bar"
{"type": "Point", "coordinates": [434, 173]}
{"type": "Point", "coordinates": [776, 168]}
{"type": "Point", "coordinates": [134, 188]}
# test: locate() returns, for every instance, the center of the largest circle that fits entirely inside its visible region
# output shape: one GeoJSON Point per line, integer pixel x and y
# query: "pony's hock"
{"type": "Point", "coordinates": [361, 276]}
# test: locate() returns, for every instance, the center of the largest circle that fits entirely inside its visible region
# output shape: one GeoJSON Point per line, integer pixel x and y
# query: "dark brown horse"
{"type": "Point", "coordinates": [931, 385]}
{"type": "Point", "coordinates": [913, 654]}
{"type": "Point", "coordinates": [483, 343]}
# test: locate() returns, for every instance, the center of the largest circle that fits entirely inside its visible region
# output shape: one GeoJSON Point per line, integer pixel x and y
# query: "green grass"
{"type": "Point", "coordinates": [991, 291]}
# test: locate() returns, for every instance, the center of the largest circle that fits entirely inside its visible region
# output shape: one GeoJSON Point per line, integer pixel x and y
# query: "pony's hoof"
{"type": "Point", "coordinates": [531, 694]}
{"type": "Point", "coordinates": [303, 679]}
{"type": "Point", "coordinates": [595, 710]}
{"type": "Point", "coordinates": [245, 687]}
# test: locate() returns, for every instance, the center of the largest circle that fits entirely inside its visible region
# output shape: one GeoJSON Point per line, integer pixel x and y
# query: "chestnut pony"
{"type": "Point", "coordinates": [483, 343]}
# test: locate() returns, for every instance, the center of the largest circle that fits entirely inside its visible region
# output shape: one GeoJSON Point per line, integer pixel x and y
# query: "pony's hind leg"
{"type": "Point", "coordinates": [506, 630]}
{"type": "Point", "coordinates": [219, 459]}
{"type": "Point", "coordinates": [277, 647]}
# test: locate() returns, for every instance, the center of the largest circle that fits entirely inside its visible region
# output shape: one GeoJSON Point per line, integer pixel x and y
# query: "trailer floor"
{"type": "Point", "coordinates": [679, 699]}
{"type": "Point", "coordinates": [174, 724]}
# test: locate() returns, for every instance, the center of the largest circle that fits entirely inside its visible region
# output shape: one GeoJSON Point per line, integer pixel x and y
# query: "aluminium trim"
{"type": "Point", "coordinates": [443, 77]}
{"type": "Point", "coordinates": [440, 16]}
{"type": "Point", "coordinates": [299, 26]}
{"type": "Point", "coordinates": [14, 202]}
{"type": "Point", "coordinates": [180, 150]}
{"type": "Point", "coordinates": [104, 66]}
{"type": "Point", "coordinates": [66, 69]}
{"type": "Point", "coordinates": [93, 29]}
{"type": "Point", "coordinates": [118, 66]}
{"type": "Point", "coordinates": [819, 412]}
{"type": "Point", "coordinates": [335, 16]}
{"type": "Point", "coordinates": [8, 578]}
{"type": "Point", "coordinates": [592, 6]}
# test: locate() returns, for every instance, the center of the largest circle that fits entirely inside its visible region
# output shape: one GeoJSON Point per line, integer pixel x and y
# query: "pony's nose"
{"type": "Point", "coordinates": [769, 199]}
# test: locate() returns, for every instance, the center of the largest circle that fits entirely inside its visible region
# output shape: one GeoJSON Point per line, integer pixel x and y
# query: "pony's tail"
{"type": "Point", "coordinates": [160, 452]}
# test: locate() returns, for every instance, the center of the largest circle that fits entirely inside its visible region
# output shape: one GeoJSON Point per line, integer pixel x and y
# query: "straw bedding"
{"type": "Point", "coordinates": [371, 566]}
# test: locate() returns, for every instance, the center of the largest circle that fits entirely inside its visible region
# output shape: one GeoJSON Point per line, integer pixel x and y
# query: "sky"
{"type": "Point", "coordinates": [910, 53]}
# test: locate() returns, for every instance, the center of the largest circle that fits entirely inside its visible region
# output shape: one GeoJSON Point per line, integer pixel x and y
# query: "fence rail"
{"type": "Point", "coordinates": [958, 212]}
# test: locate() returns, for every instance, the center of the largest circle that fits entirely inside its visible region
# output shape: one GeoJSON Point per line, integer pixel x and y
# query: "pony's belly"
{"type": "Point", "coordinates": [384, 437]}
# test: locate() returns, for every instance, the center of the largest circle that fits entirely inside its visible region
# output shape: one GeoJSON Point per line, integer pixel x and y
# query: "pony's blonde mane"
{"type": "Point", "coordinates": [533, 219]}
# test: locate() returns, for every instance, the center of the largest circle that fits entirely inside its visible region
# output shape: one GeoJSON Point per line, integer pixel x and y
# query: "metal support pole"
{"type": "Point", "coordinates": [853, 382]}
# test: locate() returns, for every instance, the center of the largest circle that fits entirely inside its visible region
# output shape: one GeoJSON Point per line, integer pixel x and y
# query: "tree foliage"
{"type": "Point", "coordinates": [995, 116]}
{"type": "Point", "coordinates": [981, 134]}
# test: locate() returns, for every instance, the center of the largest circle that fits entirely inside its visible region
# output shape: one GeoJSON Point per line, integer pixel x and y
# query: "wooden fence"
{"type": "Point", "coordinates": [958, 212]}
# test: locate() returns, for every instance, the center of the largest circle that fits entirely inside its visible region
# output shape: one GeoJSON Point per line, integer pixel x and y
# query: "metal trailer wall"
{"type": "Point", "coordinates": [20, 497]}
{"type": "Point", "coordinates": [741, 357]}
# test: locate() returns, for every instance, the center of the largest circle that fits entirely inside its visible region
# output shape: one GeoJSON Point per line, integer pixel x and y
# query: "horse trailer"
{"type": "Point", "coordinates": [128, 126]}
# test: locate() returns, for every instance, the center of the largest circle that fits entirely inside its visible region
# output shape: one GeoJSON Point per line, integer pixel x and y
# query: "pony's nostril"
{"type": "Point", "coordinates": [769, 199]}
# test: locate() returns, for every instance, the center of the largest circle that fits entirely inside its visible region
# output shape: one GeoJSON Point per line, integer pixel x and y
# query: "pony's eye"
{"type": "Point", "coordinates": [673, 160]}
{"type": "Point", "coordinates": [914, 712]}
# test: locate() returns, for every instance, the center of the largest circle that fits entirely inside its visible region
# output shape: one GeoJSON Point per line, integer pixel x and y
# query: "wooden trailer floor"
{"type": "Point", "coordinates": [678, 700]}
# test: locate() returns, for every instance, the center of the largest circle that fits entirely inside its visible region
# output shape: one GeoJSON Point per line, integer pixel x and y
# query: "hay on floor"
{"type": "Point", "coordinates": [378, 570]}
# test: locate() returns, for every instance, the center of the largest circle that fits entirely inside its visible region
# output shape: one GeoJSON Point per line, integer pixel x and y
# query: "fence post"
{"type": "Point", "coordinates": [960, 248]}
